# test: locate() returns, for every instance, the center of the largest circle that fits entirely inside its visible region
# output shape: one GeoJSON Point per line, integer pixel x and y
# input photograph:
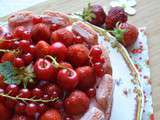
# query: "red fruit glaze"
{"type": "Point", "coordinates": [77, 103]}
{"type": "Point", "coordinates": [67, 79]}
{"type": "Point", "coordinates": [58, 50]}
{"type": "Point", "coordinates": [51, 114]}
{"type": "Point", "coordinates": [86, 77]}
{"type": "Point", "coordinates": [44, 70]}
{"type": "Point", "coordinates": [40, 32]}
{"type": "Point", "coordinates": [78, 55]}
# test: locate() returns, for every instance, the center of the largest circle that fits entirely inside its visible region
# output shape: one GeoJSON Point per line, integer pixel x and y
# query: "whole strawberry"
{"type": "Point", "coordinates": [40, 32]}
{"type": "Point", "coordinates": [51, 114]}
{"type": "Point", "coordinates": [115, 15]}
{"type": "Point", "coordinates": [87, 77]}
{"type": "Point", "coordinates": [94, 14]}
{"type": "Point", "coordinates": [78, 55]}
{"type": "Point", "coordinates": [127, 34]}
{"type": "Point", "coordinates": [77, 103]}
{"type": "Point", "coordinates": [42, 49]}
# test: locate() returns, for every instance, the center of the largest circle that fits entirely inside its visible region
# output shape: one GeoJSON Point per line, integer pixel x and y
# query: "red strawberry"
{"type": "Point", "coordinates": [78, 54]}
{"type": "Point", "coordinates": [77, 103]}
{"type": "Point", "coordinates": [127, 34]}
{"type": "Point", "coordinates": [86, 77]}
{"type": "Point", "coordinates": [40, 32]}
{"type": "Point", "coordinates": [115, 14]}
{"type": "Point", "coordinates": [51, 115]}
{"type": "Point", "coordinates": [94, 14]}
{"type": "Point", "coordinates": [63, 35]}
{"type": "Point", "coordinates": [42, 48]}
{"type": "Point", "coordinates": [7, 57]}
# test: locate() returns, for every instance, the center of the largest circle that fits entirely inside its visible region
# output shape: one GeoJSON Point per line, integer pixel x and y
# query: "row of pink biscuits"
{"type": "Point", "coordinates": [100, 108]}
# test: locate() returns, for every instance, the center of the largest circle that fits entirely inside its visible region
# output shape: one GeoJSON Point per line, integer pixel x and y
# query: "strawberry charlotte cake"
{"type": "Point", "coordinates": [53, 69]}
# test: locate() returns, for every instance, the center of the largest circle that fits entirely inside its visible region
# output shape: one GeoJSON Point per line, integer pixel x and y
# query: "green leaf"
{"type": "Point", "coordinates": [88, 15]}
{"type": "Point", "coordinates": [7, 71]}
{"type": "Point", "coordinates": [17, 76]}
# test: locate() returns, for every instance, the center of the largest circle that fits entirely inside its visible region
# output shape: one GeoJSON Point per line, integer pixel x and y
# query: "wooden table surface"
{"type": "Point", "coordinates": [148, 14]}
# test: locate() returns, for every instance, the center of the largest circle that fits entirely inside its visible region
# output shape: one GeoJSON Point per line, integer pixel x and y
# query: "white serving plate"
{"type": "Point", "coordinates": [128, 98]}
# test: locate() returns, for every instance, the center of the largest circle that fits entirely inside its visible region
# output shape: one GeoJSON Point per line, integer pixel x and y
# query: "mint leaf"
{"type": "Point", "coordinates": [7, 71]}
{"type": "Point", "coordinates": [17, 76]}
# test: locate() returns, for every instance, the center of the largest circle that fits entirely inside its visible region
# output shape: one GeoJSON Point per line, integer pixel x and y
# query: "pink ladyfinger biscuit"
{"type": "Point", "coordinates": [54, 17]}
{"type": "Point", "coordinates": [86, 32]}
{"type": "Point", "coordinates": [104, 94]}
{"type": "Point", "coordinates": [20, 18]}
{"type": "Point", "coordinates": [93, 113]}
{"type": "Point", "coordinates": [107, 65]}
